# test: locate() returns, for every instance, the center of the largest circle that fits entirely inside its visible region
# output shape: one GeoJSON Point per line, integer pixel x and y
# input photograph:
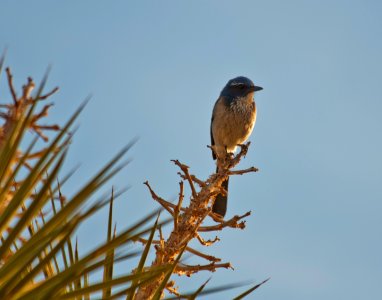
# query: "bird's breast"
{"type": "Point", "coordinates": [233, 124]}
{"type": "Point", "coordinates": [242, 119]}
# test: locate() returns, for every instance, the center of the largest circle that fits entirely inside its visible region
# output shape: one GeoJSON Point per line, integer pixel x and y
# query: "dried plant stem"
{"type": "Point", "coordinates": [188, 220]}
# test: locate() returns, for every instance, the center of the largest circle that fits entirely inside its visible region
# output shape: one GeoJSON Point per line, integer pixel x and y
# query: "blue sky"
{"type": "Point", "coordinates": [155, 69]}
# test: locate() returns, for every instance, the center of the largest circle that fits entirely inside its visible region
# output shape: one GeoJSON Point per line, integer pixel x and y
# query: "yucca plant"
{"type": "Point", "coordinates": [38, 256]}
{"type": "Point", "coordinates": [38, 259]}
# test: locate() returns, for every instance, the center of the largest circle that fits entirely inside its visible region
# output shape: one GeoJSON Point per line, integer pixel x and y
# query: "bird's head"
{"type": "Point", "coordinates": [239, 87]}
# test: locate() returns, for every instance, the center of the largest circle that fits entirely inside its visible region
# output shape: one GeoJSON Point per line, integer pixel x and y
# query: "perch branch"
{"type": "Point", "coordinates": [187, 225]}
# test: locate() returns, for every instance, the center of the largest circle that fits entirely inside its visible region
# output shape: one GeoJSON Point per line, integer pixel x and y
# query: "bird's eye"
{"type": "Point", "coordinates": [238, 85]}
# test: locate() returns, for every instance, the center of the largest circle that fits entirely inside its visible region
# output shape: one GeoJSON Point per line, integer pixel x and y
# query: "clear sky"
{"type": "Point", "coordinates": [155, 69]}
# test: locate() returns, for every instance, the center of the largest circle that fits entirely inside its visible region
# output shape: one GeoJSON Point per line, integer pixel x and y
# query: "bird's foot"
{"type": "Point", "coordinates": [244, 147]}
{"type": "Point", "coordinates": [228, 155]}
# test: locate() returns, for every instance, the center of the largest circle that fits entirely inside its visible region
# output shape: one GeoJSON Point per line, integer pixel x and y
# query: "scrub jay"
{"type": "Point", "coordinates": [232, 122]}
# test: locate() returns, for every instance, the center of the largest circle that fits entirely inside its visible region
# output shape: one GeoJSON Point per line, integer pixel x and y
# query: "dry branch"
{"type": "Point", "coordinates": [189, 249]}
{"type": "Point", "coordinates": [189, 270]}
{"type": "Point", "coordinates": [11, 87]}
{"type": "Point", "coordinates": [43, 97]}
{"type": "Point", "coordinates": [20, 106]}
{"type": "Point", "coordinates": [188, 220]}
{"type": "Point", "coordinates": [165, 204]}
{"type": "Point", "coordinates": [233, 223]}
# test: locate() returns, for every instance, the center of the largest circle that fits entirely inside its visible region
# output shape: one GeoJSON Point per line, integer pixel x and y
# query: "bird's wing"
{"type": "Point", "coordinates": [212, 136]}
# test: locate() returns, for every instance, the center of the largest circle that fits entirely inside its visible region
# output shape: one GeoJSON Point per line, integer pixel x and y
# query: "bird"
{"type": "Point", "coordinates": [232, 122]}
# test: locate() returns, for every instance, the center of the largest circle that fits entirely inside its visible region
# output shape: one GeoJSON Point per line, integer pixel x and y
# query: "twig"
{"type": "Point", "coordinates": [38, 154]}
{"type": "Point", "coordinates": [189, 270]}
{"type": "Point", "coordinates": [177, 208]}
{"type": "Point", "coordinates": [208, 242]}
{"type": "Point", "coordinates": [11, 87]}
{"type": "Point", "coordinates": [43, 97]}
{"type": "Point", "coordinates": [27, 89]}
{"type": "Point", "coordinates": [27, 165]}
{"type": "Point", "coordinates": [166, 205]}
{"type": "Point", "coordinates": [189, 249]}
{"type": "Point", "coordinates": [201, 183]}
{"type": "Point", "coordinates": [160, 233]}
{"type": "Point", "coordinates": [205, 256]}
{"type": "Point", "coordinates": [40, 134]}
{"type": "Point", "coordinates": [42, 113]}
{"type": "Point", "coordinates": [241, 172]}
{"type": "Point", "coordinates": [48, 127]}
{"type": "Point", "coordinates": [184, 168]}
{"type": "Point", "coordinates": [170, 287]}
{"type": "Point", "coordinates": [233, 223]}
{"type": "Point", "coordinates": [236, 159]}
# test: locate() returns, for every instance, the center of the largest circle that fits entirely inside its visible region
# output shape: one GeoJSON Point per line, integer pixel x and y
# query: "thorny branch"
{"type": "Point", "coordinates": [188, 220]}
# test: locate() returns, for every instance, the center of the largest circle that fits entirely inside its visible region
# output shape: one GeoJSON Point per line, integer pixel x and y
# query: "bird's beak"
{"type": "Point", "coordinates": [255, 88]}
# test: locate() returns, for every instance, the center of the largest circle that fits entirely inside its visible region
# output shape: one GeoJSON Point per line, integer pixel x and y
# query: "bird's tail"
{"type": "Point", "coordinates": [220, 205]}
